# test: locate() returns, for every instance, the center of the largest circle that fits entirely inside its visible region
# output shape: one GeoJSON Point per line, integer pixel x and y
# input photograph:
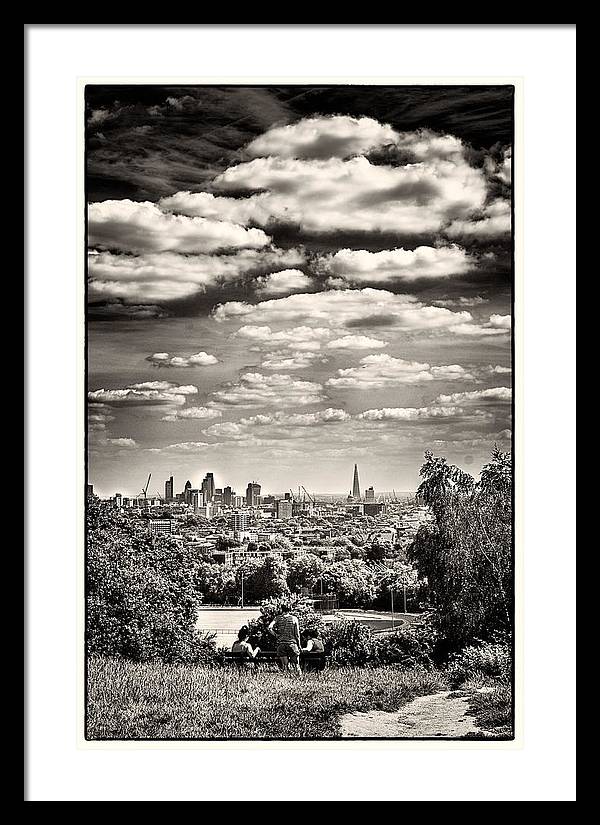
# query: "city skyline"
{"type": "Point", "coordinates": [284, 281]}
{"type": "Point", "coordinates": [171, 484]}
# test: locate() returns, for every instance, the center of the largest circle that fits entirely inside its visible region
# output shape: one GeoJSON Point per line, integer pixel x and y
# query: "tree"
{"type": "Point", "coordinates": [263, 579]}
{"type": "Point", "coordinates": [304, 571]}
{"type": "Point", "coordinates": [466, 555]}
{"type": "Point", "coordinates": [215, 582]}
{"type": "Point", "coordinates": [352, 581]}
{"type": "Point", "coordinates": [376, 552]}
{"type": "Point", "coordinates": [142, 599]}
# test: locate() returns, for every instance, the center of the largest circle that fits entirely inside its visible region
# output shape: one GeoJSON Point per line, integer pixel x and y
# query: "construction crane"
{"type": "Point", "coordinates": [310, 498]}
{"type": "Point", "coordinates": [145, 489]}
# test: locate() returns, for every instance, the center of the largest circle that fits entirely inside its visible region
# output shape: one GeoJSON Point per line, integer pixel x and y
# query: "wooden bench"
{"type": "Point", "coordinates": [308, 661]}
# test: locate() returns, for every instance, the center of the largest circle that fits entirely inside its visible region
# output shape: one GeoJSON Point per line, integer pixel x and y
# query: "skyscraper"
{"type": "Point", "coordinates": [169, 489]}
{"type": "Point", "coordinates": [252, 494]}
{"type": "Point", "coordinates": [227, 496]}
{"type": "Point", "coordinates": [370, 494]}
{"type": "Point", "coordinates": [186, 491]}
{"type": "Point", "coordinates": [208, 487]}
{"type": "Point", "coordinates": [355, 485]}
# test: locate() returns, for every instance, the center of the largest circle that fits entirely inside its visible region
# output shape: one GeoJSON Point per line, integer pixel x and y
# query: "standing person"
{"type": "Point", "coordinates": [286, 630]}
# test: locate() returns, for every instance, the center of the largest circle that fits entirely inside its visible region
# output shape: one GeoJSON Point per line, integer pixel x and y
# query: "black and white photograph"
{"type": "Point", "coordinates": [300, 435]}
{"type": "Point", "coordinates": [299, 460]}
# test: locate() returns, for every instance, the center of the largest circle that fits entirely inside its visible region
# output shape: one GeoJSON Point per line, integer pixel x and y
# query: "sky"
{"type": "Point", "coordinates": [287, 280]}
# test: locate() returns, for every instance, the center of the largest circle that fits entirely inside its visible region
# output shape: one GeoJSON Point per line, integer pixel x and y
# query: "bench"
{"type": "Point", "coordinates": [308, 661]}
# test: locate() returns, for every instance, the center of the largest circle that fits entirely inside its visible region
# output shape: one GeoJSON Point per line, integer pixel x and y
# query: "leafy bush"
{"type": "Point", "coordinates": [348, 642]}
{"type": "Point", "coordinates": [411, 646]}
{"type": "Point", "coordinates": [487, 660]}
{"type": "Point", "coordinates": [141, 595]}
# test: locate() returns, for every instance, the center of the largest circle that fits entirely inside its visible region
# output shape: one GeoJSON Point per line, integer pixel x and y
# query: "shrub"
{"type": "Point", "coordinates": [348, 642]}
{"type": "Point", "coordinates": [141, 595]}
{"type": "Point", "coordinates": [411, 646]}
{"type": "Point", "coordinates": [487, 660]}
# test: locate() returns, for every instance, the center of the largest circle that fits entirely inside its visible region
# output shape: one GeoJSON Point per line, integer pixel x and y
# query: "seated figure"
{"type": "Point", "coordinates": [242, 645]}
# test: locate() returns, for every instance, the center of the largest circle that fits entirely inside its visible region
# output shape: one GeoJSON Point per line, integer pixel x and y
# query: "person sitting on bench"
{"type": "Point", "coordinates": [242, 645]}
{"type": "Point", "coordinates": [314, 642]}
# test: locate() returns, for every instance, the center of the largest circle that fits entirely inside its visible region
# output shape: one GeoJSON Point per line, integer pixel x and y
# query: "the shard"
{"type": "Point", "coordinates": [355, 485]}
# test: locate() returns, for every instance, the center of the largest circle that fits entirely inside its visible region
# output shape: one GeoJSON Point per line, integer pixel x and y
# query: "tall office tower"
{"type": "Point", "coordinates": [284, 509]}
{"type": "Point", "coordinates": [169, 489]}
{"type": "Point", "coordinates": [252, 494]}
{"type": "Point", "coordinates": [355, 485]}
{"type": "Point", "coordinates": [90, 490]}
{"type": "Point", "coordinates": [186, 492]}
{"type": "Point", "coordinates": [239, 521]}
{"type": "Point", "coordinates": [369, 494]}
{"type": "Point", "coordinates": [227, 496]}
{"type": "Point", "coordinates": [218, 496]}
{"type": "Point", "coordinates": [208, 487]}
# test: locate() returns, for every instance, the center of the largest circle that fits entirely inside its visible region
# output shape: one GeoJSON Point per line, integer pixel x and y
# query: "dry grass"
{"type": "Point", "coordinates": [158, 701]}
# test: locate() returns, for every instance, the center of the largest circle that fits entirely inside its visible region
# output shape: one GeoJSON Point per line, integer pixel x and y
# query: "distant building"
{"type": "Point", "coordinates": [355, 485]}
{"type": "Point", "coordinates": [373, 508]}
{"type": "Point", "coordinates": [206, 510]}
{"type": "Point", "coordinates": [187, 492]}
{"type": "Point", "coordinates": [218, 496]}
{"type": "Point", "coordinates": [228, 495]}
{"type": "Point", "coordinates": [239, 521]}
{"type": "Point", "coordinates": [90, 490]}
{"type": "Point", "coordinates": [208, 487]}
{"type": "Point", "coordinates": [118, 500]}
{"type": "Point", "coordinates": [161, 526]}
{"type": "Point", "coordinates": [169, 489]}
{"type": "Point", "coordinates": [284, 509]}
{"type": "Point", "coordinates": [369, 494]}
{"type": "Point", "coordinates": [252, 494]}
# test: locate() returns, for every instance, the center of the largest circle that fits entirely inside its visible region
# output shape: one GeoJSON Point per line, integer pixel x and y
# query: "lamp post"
{"type": "Point", "coordinates": [392, 594]}
{"type": "Point", "coordinates": [242, 588]}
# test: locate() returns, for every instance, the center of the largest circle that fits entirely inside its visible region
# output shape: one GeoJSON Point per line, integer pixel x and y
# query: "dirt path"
{"type": "Point", "coordinates": [440, 714]}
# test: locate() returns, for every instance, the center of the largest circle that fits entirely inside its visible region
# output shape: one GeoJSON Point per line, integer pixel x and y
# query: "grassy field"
{"type": "Point", "coordinates": [157, 701]}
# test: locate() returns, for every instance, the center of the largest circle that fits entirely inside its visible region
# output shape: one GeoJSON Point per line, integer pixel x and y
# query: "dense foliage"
{"type": "Point", "coordinates": [141, 594]}
{"type": "Point", "coordinates": [466, 555]}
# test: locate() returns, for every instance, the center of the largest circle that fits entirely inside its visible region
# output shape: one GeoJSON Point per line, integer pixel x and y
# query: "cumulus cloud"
{"type": "Point", "coordinates": [491, 222]}
{"type": "Point", "coordinates": [497, 325]}
{"type": "Point", "coordinates": [168, 276]}
{"type": "Point", "coordinates": [362, 266]}
{"type": "Point", "coordinates": [200, 359]}
{"type": "Point", "coordinates": [490, 395]}
{"type": "Point", "coordinates": [302, 338]}
{"type": "Point", "coordinates": [195, 413]}
{"type": "Point", "coordinates": [284, 282]}
{"type": "Point", "coordinates": [289, 360]}
{"type": "Point", "coordinates": [473, 301]}
{"type": "Point", "coordinates": [382, 370]}
{"type": "Point", "coordinates": [323, 137]}
{"type": "Point", "coordinates": [141, 227]}
{"type": "Point", "coordinates": [350, 307]}
{"type": "Point", "coordinates": [463, 405]}
{"type": "Point", "coordinates": [355, 195]}
{"type": "Point", "coordinates": [278, 421]}
{"type": "Point", "coordinates": [256, 390]}
{"type": "Point", "coordinates": [183, 447]}
{"type": "Point", "coordinates": [502, 169]}
{"type": "Point", "coordinates": [147, 393]}
{"type": "Point", "coordinates": [356, 342]}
